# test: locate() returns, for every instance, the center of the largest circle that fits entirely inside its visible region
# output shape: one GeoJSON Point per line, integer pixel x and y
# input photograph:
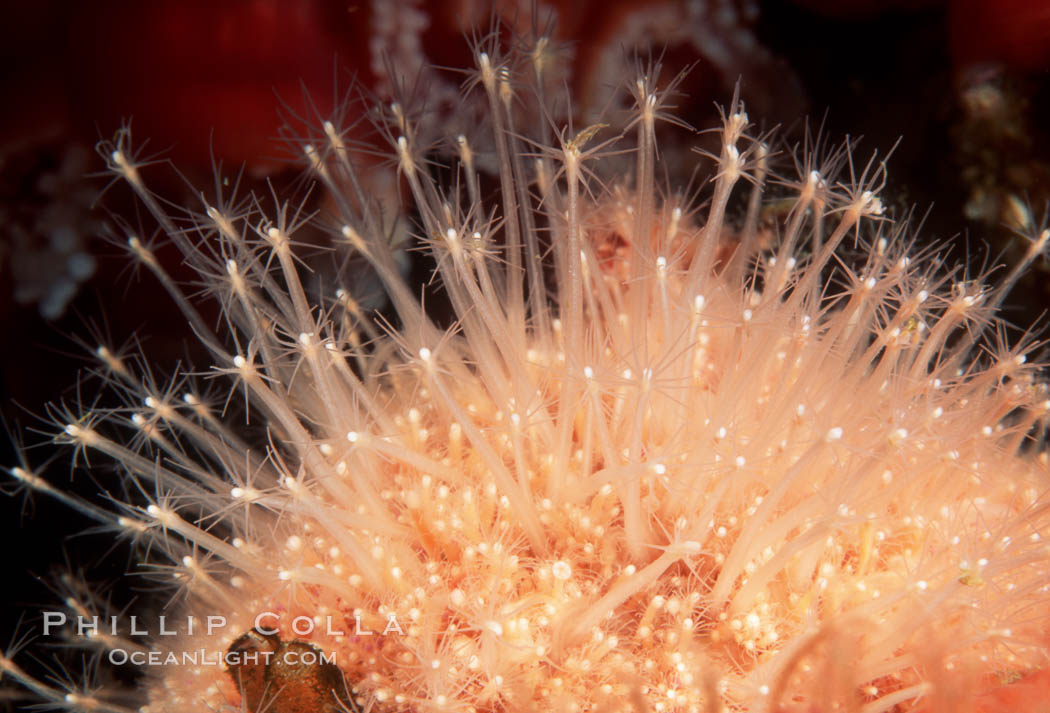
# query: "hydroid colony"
{"type": "Point", "coordinates": [670, 457]}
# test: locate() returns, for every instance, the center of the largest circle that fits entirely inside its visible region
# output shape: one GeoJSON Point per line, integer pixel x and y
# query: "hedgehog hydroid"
{"type": "Point", "coordinates": [670, 457]}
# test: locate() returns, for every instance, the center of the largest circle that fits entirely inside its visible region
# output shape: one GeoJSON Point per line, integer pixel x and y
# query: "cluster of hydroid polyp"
{"type": "Point", "coordinates": [668, 458]}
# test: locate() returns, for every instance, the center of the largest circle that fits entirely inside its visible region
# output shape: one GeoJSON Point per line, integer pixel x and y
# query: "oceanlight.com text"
{"type": "Point", "coordinates": [203, 657]}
